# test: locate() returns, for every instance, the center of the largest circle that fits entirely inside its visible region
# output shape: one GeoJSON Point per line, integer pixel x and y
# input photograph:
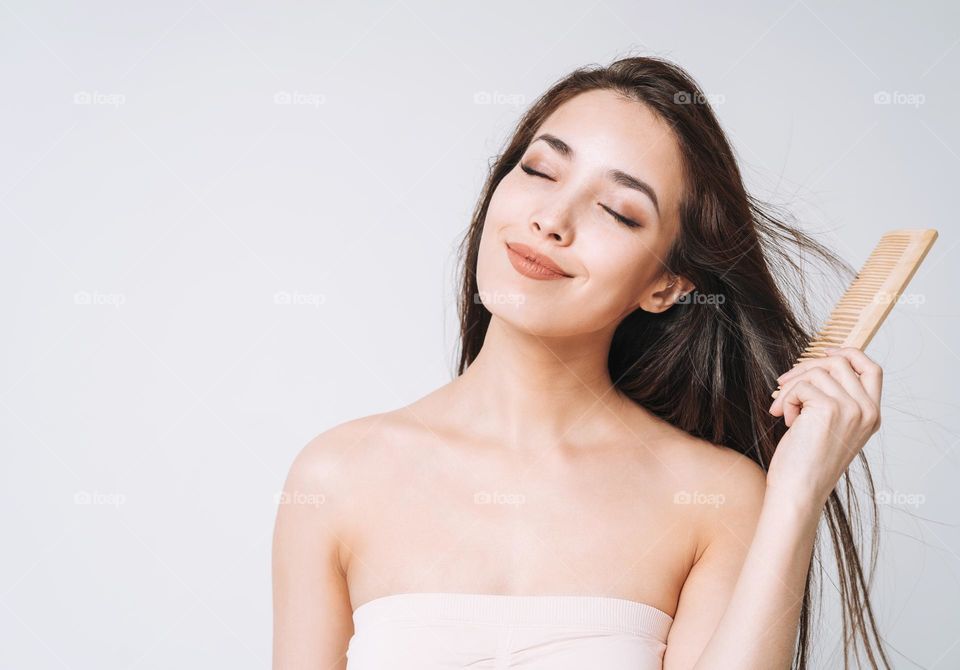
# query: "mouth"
{"type": "Point", "coordinates": [529, 263]}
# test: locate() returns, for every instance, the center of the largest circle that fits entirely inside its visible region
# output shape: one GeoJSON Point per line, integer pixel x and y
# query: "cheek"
{"type": "Point", "coordinates": [501, 217]}
{"type": "Point", "coordinates": [619, 273]}
{"type": "Point", "coordinates": [615, 256]}
{"type": "Point", "coordinates": [506, 202]}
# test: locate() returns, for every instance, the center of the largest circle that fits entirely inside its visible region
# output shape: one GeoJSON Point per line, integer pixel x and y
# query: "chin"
{"type": "Point", "coordinates": [529, 315]}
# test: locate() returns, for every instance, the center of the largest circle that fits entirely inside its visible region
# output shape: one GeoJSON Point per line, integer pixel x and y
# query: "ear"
{"type": "Point", "coordinates": [666, 291]}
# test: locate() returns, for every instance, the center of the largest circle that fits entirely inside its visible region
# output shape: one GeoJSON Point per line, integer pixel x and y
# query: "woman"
{"type": "Point", "coordinates": [606, 482]}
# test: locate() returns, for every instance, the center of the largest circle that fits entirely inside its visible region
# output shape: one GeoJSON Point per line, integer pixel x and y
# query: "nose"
{"type": "Point", "coordinates": [554, 224]}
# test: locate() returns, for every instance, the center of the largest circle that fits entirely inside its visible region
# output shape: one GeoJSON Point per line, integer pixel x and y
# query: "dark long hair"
{"type": "Point", "coordinates": [709, 368]}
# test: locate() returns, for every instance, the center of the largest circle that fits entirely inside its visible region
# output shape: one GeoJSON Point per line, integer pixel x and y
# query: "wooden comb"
{"type": "Point", "coordinates": [872, 293]}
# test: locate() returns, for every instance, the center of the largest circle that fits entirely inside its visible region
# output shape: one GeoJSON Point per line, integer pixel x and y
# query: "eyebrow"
{"type": "Point", "coordinates": [617, 176]}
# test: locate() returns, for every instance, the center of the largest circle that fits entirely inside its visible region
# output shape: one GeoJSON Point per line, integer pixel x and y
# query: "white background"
{"type": "Point", "coordinates": [156, 194]}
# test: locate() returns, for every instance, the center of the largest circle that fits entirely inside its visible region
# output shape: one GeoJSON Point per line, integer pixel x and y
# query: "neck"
{"type": "Point", "coordinates": [529, 390]}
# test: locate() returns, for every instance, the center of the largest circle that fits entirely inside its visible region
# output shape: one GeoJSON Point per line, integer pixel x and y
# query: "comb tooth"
{"type": "Point", "coordinates": [872, 292]}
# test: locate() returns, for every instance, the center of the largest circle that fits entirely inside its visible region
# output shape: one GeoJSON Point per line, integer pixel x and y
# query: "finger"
{"type": "Point", "coordinates": [841, 370]}
{"type": "Point", "coordinates": [805, 365]}
{"type": "Point", "coordinates": [797, 368]}
{"type": "Point", "coordinates": [802, 393]}
{"type": "Point", "coordinates": [830, 361]}
{"type": "Point", "coordinates": [790, 403]}
{"type": "Point", "coordinates": [809, 374]}
{"type": "Point", "coordinates": [871, 374]}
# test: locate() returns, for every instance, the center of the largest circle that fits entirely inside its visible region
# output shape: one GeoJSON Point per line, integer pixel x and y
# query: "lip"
{"type": "Point", "coordinates": [531, 264]}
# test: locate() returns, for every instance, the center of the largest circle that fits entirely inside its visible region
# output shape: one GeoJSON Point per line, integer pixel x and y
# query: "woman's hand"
{"type": "Point", "coordinates": [831, 406]}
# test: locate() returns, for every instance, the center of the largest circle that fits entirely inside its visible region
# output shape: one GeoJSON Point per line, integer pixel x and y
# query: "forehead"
{"type": "Point", "coordinates": [607, 130]}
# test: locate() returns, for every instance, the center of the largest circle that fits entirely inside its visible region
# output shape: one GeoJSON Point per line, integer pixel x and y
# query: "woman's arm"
{"type": "Point", "coordinates": [312, 614]}
{"type": "Point", "coordinates": [740, 605]}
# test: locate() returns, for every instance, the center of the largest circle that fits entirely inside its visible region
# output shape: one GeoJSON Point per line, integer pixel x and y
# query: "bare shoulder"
{"type": "Point", "coordinates": [341, 454]}
{"type": "Point", "coordinates": [723, 487]}
{"type": "Point", "coordinates": [313, 543]}
{"type": "Point", "coordinates": [730, 472]}
{"type": "Point", "coordinates": [711, 466]}
{"type": "Point", "coordinates": [327, 477]}
{"type": "Point", "coordinates": [334, 444]}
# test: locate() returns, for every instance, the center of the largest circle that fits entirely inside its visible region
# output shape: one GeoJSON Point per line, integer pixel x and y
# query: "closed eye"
{"type": "Point", "coordinates": [533, 172]}
{"type": "Point", "coordinates": [630, 223]}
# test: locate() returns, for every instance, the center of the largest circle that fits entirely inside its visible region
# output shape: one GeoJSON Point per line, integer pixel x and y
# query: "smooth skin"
{"type": "Point", "coordinates": [531, 474]}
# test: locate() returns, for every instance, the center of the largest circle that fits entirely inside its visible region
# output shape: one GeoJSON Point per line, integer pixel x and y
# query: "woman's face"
{"type": "Point", "coordinates": [602, 157]}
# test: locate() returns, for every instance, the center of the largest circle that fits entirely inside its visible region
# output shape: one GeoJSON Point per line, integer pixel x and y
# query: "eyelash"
{"type": "Point", "coordinates": [630, 223]}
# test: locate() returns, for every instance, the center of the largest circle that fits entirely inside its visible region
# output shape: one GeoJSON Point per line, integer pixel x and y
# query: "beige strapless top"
{"type": "Point", "coordinates": [436, 631]}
